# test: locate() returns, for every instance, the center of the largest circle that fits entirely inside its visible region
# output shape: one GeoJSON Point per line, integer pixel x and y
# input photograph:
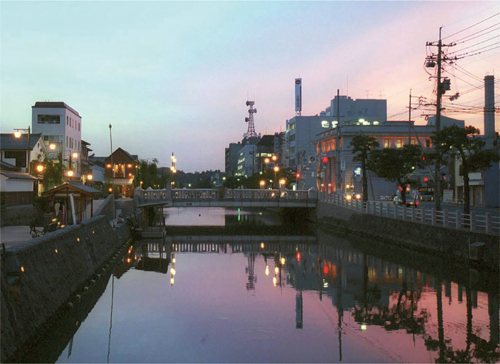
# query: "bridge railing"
{"type": "Point", "coordinates": [227, 195]}
{"type": "Point", "coordinates": [449, 219]}
{"type": "Point", "coordinates": [197, 194]}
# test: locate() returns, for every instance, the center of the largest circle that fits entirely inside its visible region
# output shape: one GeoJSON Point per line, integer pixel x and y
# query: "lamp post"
{"type": "Point", "coordinates": [17, 135]}
{"type": "Point", "coordinates": [53, 147]}
{"type": "Point", "coordinates": [276, 170]}
{"type": "Point", "coordinates": [173, 169]}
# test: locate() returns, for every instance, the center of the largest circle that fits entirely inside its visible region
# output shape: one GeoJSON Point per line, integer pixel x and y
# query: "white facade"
{"type": "Point", "coordinates": [61, 125]}
{"type": "Point", "coordinates": [14, 184]}
{"type": "Point", "coordinates": [301, 132]}
{"type": "Point", "coordinates": [247, 165]}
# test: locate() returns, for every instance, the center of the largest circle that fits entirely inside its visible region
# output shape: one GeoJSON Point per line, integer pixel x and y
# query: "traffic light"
{"type": "Point", "coordinates": [324, 160]}
{"type": "Point", "coordinates": [297, 175]}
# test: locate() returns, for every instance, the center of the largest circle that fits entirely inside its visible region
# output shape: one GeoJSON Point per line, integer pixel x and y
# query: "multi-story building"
{"type": "Point", "coordinates": [231, 159]}
{"type": "Point", "coordinates": [301, 132]}
{"type": "Point", "coordinates": [120, 172]}
{"type": "Point", "coordinates": [247, 164]}
{"type": "Point", "coordinates": [336, 170]}
{"type": "Point", "coordinates": [61, 127]}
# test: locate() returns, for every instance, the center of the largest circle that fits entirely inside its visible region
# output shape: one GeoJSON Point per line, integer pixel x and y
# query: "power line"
{"type": "Point", "coordinates": [477, 36]}
{"type": "Point", "coordinates": [475, 54]}
{"type": "Point", "coordinates": [473, 25]}
{"type": "Point", "coordinates": [473, 45]}
{"type": "Point", "coordinates": [480, 31]}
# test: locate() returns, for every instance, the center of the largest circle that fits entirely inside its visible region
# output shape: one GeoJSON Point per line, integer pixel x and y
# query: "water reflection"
{"type": "Point", "coordinates": [268, 296]}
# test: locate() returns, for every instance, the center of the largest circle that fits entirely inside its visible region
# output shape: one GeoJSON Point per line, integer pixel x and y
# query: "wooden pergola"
{"type": "Point", "coordinates": [83, 196]}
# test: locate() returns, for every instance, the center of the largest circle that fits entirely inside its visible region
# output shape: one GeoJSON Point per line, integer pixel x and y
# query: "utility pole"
{"type": "Point", "coordinates": [337, 146]}
{"type": "Point", "coordinates": [409, 119]}
{"type": "Point", "coordinates": [437, 168]}
{"type": "Point", "coordinates": [442, 87]}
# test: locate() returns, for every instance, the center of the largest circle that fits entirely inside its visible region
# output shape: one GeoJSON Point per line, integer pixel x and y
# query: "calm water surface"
{"type": "Point", "coordinates": [281, 293]}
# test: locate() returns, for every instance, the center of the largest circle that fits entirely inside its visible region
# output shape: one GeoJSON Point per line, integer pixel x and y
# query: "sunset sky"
{"type": "Point", "coordinates": [175, 76]}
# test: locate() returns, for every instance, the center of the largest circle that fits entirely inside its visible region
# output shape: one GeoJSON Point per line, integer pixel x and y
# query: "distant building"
{"type": "Point", "coordinates": [247, 163]}
{"type": "Point", "coordinates": [389, 134]}
{"type": "Point", "coordinates": [265, 149]}
{"type": "Point", "coordinates": [231, 158]}
{"type": "Point", "coordinates": [301, 132]}
{"type": "Point", "coordinates": [61, 127]}
{"type": "Point", "coordinates": [17, 188]}
{"type": "Point", "coordinates": [15, 151]}
{"type": "Point", "coordinates": [120, 171]}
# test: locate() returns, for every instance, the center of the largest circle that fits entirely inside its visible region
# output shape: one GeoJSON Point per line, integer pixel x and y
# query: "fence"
{"type": "Point", "coordinates": [449, 219]}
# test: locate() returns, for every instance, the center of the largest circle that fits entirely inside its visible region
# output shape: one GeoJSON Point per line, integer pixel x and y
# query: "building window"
{"type": "Point", "coordinates": [399, 143]}
{"type": "Point", "coordinates": [78, 126]}
{"type": "Point", "coordinates": [67, 120]}
{"type": "Point", "coordinates": [386, 143]}
{"type": "Point", "coordinates": [49, 119]}
{"type": "Point", "coordinates": [428, 143]}
{"type": "Point", "coordinates": [413, 142]}
{"type": "Point", "coordinates": [325, 124]}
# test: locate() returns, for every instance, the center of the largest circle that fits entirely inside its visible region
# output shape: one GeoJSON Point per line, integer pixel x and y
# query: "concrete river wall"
{"type": "Point", "coordinates": [434, 240]}
{"type": "Point", "coordinates": [40, 277]}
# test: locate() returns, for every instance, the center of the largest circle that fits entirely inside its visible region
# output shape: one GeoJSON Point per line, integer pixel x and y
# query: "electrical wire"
{"type": "Point", "coordinates": [473, 25]}
{"type": "Point", "coordinates": [470, 35]}
{"type": "Point", "coordinates": [475, 44]}
{"type": "Point", "coordinates": [475, 54]}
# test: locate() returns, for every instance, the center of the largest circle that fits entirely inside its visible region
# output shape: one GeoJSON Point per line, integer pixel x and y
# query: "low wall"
{"type": "Point", "coordinates": [20, 215]}
{"type": "Point", "coordinates": [107, 208]}
{"type": "Point", "coordinates": [419, 237]}
{"type": "Point", "coordinates": [39, 276]}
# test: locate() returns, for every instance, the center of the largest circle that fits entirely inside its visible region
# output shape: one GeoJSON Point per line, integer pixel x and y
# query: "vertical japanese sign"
{"type": "Point", "coordinates": [298, 94]}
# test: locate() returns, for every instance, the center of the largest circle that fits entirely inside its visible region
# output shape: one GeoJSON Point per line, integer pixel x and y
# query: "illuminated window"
{"type": "Point", "coordinates": [386, 143]}
{"type": "Point", "coordinates": [399, 143]}
{"type": "Point", "coordinates": [413, 142]}
{"type": "Point", "coordinates": [325, 124]}
{"type": "Point", "coordinates": [428, 143]}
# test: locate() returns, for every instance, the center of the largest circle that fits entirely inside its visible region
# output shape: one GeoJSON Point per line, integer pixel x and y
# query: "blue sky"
{"type": "Point", "coordinates": [174, 76]}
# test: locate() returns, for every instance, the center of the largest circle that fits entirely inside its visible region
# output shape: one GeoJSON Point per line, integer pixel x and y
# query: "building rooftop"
{"type": "Point", "coordinates": [9, 142]}
{"type": "Point", "coordinates": [53, 105]}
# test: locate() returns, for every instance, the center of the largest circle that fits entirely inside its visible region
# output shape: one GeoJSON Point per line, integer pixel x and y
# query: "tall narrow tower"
{"type": "Point", "coordinates": [251, 127]}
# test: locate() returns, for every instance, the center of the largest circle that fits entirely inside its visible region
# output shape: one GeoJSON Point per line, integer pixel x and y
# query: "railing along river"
{"type": "Point", "coordinates": [449, 219]}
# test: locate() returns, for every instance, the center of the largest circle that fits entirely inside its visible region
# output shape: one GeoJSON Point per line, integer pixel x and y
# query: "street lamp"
{"type": "Point", "coordinates": [276, 170]}
{"type": "Point", "coordinates": [17, 135]}
{"type": "Point", "coordinates": [40, 168]}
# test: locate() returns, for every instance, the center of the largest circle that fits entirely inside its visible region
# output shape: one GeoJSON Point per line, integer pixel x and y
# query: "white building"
{"type": "Point", "coordinates": [61, 127]}
{"type": "Point", "coordinates": [300, 155]}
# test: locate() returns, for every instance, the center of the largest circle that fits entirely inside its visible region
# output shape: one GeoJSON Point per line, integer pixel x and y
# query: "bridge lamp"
{"type": "Point", "coordinates": [262, 183]}
{"type": "Point", "coordinates": [267, 160]}
{"type": "Point", "coordinates": [282, 181]}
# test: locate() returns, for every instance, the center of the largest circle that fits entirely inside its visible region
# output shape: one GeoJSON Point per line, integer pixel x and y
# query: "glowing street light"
{"type": "Point", "coordinates": [274, 158]}
{"type": "Point", "coordinates": [40, 168]}
{"type": "Point", "coordinates": [70, 173]}
{"type": "Point", "coordinates": [17, 135]}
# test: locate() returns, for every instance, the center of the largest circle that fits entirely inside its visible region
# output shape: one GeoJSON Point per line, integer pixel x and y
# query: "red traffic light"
{"type": "Point", "coordinates": [426, 179]}
{"type": "Point", "coordinates": [324, 160]}
{"type": "Point", "coordinates": [297, 175]}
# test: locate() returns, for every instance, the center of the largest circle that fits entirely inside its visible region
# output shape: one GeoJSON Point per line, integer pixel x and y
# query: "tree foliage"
{"type": "Point", "coordinates": [396, 164]}
{"type": "Point", "coordinates": [362, 147]}
{"type": "Point", "coordinates": [464, 143]}
{"type": "Point", "coordinates": [150, 176]}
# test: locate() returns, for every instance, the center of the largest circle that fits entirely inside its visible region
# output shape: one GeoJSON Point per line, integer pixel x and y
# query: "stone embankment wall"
{"type": "Point", "coordinates": [107, 208]}
{"type": "Point", "coordinates": [419, 237]}
{"type": "Point", "coordinates": [39, 277]}
{"type": "Point", "coordinates": [21, 215]}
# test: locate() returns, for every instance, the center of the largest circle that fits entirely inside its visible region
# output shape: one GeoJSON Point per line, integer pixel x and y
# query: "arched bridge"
{"type": "Point", "coordinates": [225, 198]}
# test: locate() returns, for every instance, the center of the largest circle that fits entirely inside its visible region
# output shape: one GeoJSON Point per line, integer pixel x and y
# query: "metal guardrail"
{"type": "Point", "coordinates": [452, 220]}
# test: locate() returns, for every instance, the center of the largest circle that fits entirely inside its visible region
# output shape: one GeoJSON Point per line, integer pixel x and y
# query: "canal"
{"type": "Point", "coordinates": [244, 286]}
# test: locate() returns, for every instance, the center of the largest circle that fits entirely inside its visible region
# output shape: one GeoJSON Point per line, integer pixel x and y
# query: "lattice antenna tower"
{"type": "Point", "coordinates": [251, 127]}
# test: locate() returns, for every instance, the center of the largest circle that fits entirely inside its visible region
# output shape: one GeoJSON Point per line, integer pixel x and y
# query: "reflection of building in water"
{"type": "Point", "coordinates": [250, 270]}
{"type": "Point", "coordinates": [154, 256]}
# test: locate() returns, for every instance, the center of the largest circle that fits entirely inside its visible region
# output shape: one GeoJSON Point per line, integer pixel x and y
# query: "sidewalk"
{"type": "Point", "coordinates": [12, 235]}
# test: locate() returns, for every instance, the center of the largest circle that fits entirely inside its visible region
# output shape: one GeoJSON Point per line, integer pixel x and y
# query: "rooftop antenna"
{"type": "Point", "coordinates": [251, 127]}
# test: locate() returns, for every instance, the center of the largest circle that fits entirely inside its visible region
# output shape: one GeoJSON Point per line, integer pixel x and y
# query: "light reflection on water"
{"type": "Point", "coordinates": [285, 298]}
